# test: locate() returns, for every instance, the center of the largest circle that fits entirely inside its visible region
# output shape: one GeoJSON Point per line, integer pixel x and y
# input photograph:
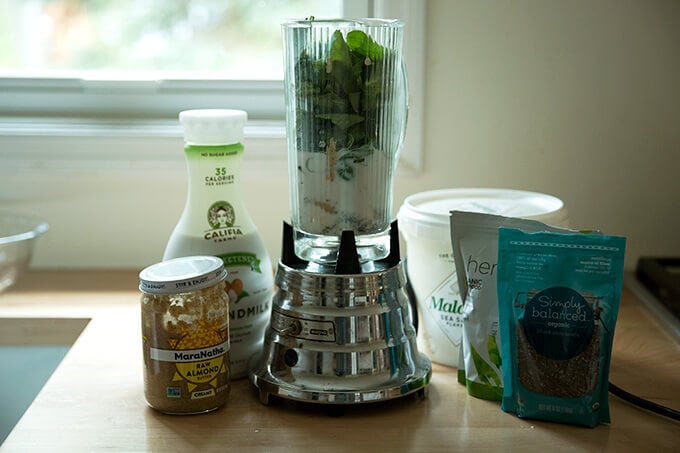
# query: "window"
{"type": "Point", "coordinates": [80, 147]}
{"type": "Point", "coordinates": [87, 67]}
{"type": "Point", "coordinates": [147, 58]}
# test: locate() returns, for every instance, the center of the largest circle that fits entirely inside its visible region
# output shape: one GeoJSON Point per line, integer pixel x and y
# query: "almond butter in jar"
{"type": "Point", "coordinates": [185, 335]}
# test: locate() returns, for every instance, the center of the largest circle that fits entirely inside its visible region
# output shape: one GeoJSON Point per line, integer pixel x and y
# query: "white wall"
{"type": "Point", "coordinates": [579, 99]}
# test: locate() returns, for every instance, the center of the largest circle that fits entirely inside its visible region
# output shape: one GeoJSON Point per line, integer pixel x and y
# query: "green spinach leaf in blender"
{"type": "Point", "coordinates": [340, 98]}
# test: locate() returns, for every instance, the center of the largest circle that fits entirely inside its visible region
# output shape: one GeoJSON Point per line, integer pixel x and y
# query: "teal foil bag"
{"type": "Point", "coordinates": [558, 300]}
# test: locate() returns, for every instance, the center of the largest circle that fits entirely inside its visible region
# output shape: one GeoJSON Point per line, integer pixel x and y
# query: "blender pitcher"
{"type": "Point", "coordinates": [346, 101]}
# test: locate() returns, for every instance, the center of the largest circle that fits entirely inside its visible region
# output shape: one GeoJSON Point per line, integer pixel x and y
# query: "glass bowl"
{"type": "Point", "coordinates": [18, 234]}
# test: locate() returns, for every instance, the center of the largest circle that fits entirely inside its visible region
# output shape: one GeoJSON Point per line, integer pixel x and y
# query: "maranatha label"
{"type": "Point", "coordinates": [189, 355]}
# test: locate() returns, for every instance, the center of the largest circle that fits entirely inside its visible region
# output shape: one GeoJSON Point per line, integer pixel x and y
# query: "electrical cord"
{"type": "Point", "coordinates": [643, 403]}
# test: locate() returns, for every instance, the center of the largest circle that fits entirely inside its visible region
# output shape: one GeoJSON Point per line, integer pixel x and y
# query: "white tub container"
{"type": "Point", "coordinates": [424, 224]}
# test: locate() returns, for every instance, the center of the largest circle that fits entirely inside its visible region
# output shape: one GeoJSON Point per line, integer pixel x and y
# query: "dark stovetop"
{"type": "Point", "coordinates": [657, 284]}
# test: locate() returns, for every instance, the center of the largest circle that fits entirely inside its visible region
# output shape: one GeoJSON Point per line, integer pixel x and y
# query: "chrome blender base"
{"type": "Point", "coordinates": [269, 385]}
{"type": "Point", "coordinates": [340, 335]}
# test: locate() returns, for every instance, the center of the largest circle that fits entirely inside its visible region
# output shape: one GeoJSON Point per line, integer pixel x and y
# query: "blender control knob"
{"type": "Point", "coordinates": [295, 327]}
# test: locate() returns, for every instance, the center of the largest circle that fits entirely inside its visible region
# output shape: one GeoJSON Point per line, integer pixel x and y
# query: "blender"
{"type": "Point", "coordinates": [340, 330]}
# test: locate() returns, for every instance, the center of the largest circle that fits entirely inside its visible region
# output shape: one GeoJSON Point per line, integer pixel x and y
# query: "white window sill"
{"type": "Point", "coordinates": [109, 146]}
{"type": "Point", "coordinates": [66, 144]}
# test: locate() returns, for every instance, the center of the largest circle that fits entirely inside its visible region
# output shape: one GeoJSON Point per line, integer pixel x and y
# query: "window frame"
{"type": "Point", "coordinates": [87, 98]}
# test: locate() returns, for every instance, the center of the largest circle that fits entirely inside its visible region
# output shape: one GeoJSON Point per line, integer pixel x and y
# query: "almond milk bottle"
{"type": "Point", "coordinates": [215, 222]}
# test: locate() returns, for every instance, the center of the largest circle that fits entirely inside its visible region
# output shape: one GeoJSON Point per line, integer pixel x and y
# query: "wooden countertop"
{"type": "Point", "coordinates": [94, 400]}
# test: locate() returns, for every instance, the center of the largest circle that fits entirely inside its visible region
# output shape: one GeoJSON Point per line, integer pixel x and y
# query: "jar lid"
{"type": "Point", "coordinates": [182, 275]}
{"type": "Point", "coordinates": [213, 127]}
{"type": "Point", "coordinates": [427, 214]}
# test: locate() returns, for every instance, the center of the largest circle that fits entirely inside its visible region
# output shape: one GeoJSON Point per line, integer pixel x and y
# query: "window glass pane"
{"type": "Point", "coordinates": [138, 39]}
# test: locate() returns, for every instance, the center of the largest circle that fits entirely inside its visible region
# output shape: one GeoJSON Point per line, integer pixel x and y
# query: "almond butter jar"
{"type": "Point", "coordinates": [185, 335]}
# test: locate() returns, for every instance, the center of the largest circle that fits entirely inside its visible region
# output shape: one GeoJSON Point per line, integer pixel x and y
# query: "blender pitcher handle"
{"type": "Point", "coordinates": [405, 92]}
